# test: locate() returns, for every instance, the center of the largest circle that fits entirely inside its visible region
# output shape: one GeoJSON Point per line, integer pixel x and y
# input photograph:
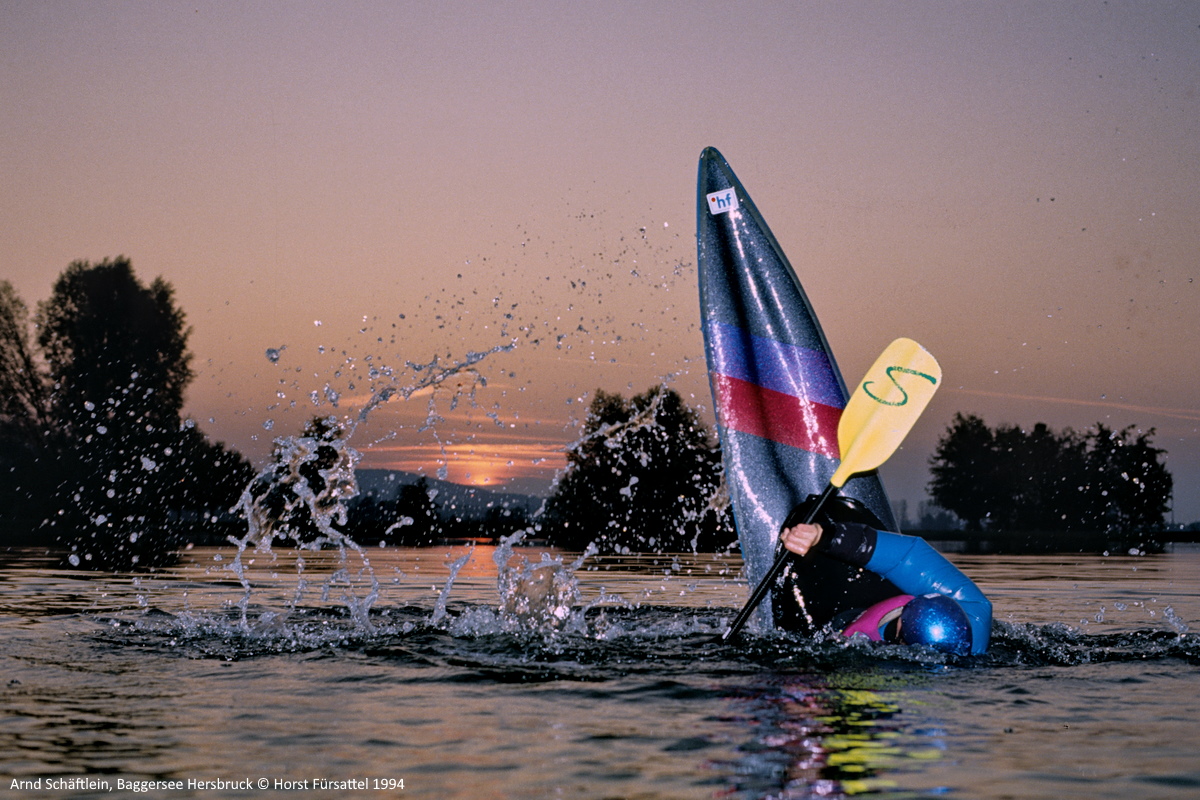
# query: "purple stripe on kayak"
{"type": "Point", "coordinates": [798, 371]}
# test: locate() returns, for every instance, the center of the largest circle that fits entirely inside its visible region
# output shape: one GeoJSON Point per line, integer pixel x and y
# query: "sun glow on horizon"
{"type": "Point", "coordinates": [474, 464]}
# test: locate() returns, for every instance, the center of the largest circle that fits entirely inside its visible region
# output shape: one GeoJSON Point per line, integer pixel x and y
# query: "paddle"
{"type": "Point", "coordinates": [880, 414]}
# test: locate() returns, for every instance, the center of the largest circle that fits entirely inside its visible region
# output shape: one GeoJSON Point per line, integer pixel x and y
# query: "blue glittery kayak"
{"type": "Point", "coordinates": [776, 387]}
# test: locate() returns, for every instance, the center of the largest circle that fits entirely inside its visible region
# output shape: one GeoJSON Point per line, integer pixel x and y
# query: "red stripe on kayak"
{"type": "Point", "coordinates": [744, 407]}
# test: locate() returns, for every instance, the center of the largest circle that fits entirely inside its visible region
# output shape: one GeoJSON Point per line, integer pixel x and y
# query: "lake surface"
{"type": "Point", "coordinates": [314, 676]}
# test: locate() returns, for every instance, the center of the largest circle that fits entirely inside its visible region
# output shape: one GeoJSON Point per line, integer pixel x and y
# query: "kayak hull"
{"type": "Point", "coordinates": [777, 389]}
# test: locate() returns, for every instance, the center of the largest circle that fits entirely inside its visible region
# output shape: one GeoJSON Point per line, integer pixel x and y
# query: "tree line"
{"type": "Point", "coordinates": [1007, 478]}
{"type": "Point", "coordinates": [96, 456]}
{"type": "Point", "coordinates": [647, 474]}
{"type": "Point", "coordinates": [644, 476]}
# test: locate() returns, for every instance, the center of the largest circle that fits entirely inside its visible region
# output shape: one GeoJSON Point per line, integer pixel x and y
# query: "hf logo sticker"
{"type": "Point", "coordinates": [722, 201]}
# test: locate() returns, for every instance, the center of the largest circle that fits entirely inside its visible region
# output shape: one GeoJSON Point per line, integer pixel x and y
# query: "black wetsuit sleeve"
{"type": "Point", "coordinates": [851, 542]}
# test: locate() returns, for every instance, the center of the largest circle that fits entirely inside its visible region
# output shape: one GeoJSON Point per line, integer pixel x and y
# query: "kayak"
{"type": "Point", "coordinates": [777, 389]}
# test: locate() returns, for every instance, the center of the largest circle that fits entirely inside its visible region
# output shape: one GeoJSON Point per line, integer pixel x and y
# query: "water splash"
{"type": "Point", "coordinates": [433, 374]}
{"type": "Point", "coordinates": [542, 595]}
{"type": "Point", "coordinates": [1175, 622]}
{"type": "Point", "coordinates": [439, 608]}
{"type": "Point", "coordinates": [300, 498]}
{"type": "Point", "coordinates": [1024, 644]}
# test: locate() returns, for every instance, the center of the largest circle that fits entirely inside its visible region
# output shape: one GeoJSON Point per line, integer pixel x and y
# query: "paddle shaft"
{"type": "Point", "coordinates": [781, 560]}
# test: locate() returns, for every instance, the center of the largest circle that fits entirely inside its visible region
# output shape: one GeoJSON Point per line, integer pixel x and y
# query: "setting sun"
{"type": "Point", "coordinates": [492, 465]}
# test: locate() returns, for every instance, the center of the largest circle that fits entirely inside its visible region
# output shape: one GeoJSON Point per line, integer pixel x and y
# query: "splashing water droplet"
{"type": "Point", "coordinates": [1175, 622]}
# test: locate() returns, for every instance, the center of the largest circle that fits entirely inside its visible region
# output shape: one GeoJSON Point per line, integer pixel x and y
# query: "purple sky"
{"type": "Point", "coordinates": [1014, 185]}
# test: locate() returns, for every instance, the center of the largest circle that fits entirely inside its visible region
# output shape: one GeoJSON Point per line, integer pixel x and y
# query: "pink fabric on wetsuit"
{"type": "Point", "coordinates": [868, 622]}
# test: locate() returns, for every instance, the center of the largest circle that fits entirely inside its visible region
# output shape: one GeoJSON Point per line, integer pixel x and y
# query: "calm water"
{"type": "Point", "coordinates": [596, 682]}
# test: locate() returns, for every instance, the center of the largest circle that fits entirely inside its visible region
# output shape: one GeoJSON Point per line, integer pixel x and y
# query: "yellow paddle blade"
{"type": "Point", "coordinates": [884, 407]}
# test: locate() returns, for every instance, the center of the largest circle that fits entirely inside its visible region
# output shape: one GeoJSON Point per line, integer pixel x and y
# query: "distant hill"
{"type": "Point", "coordinates": [467, 502]}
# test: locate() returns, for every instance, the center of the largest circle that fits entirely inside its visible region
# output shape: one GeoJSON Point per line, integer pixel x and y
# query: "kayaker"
{"type": "Point", "coordinates": [893, 587]}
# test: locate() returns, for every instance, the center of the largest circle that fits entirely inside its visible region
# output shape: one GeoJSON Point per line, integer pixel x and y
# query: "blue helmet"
{"type": "Point", "coordinates": [935, 620]}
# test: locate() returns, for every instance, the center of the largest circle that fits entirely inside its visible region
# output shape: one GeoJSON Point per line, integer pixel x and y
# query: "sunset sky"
{"type": "Point", "coordinates": [342, 193]}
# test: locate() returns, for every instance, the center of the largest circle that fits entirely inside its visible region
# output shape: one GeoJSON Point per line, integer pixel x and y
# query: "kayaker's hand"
{"type": "Point", "coordinates": [800, 538]}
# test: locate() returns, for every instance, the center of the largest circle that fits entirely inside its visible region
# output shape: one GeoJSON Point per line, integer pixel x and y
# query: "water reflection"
{"type": "Point", "coordinates": [407, 575]}
{"type": "Point", "coordinates": [814, 736]}
{"type": "Point", "coordinates": [151, 676]}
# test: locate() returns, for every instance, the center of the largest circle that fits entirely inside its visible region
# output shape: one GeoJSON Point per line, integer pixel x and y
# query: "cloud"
{"type": "Point", "coordinates": [1191, 415]}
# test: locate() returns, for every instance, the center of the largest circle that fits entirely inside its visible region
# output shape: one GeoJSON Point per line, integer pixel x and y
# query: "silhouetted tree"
{"type": "Point", "coordinates": [209, 477]}
{"type": "Point", "coordinates": [91, 419]}
{"type": "Point", "coordinates": [1032, 479]}
{"type": "Point", "coordinates": [415, 518]}
{"type": "Point", "coordinates": [24, 398]}
{"type": "Point", "coordinates": [646, 476]}
{"type": "Point", "coordinates": [1012, 479]}
{"type": "Point", "coordinates": [24, 408]}
{"type": "Point", "coordinates": [932, 518]}
{"type": "Point", "coordinates": [1129, 488]}
{"type": "Point", "coordinates": [116, 352]}
{"type": "Point", "coordinates": [501, 521]}
{"type": "Point", "coordinates": [963, 468]}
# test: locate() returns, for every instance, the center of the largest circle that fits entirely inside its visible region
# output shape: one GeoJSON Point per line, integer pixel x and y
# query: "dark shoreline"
{"type": "Point", "coordinates": [1047, 542]}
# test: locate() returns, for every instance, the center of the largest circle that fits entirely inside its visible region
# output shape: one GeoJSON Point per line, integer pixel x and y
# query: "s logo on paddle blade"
{"type": "Point", "coordinates": [891, 374]}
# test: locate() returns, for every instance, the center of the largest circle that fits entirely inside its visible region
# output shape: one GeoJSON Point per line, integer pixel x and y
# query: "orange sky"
{"type": "Point", "coordinates": [370, 185]}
